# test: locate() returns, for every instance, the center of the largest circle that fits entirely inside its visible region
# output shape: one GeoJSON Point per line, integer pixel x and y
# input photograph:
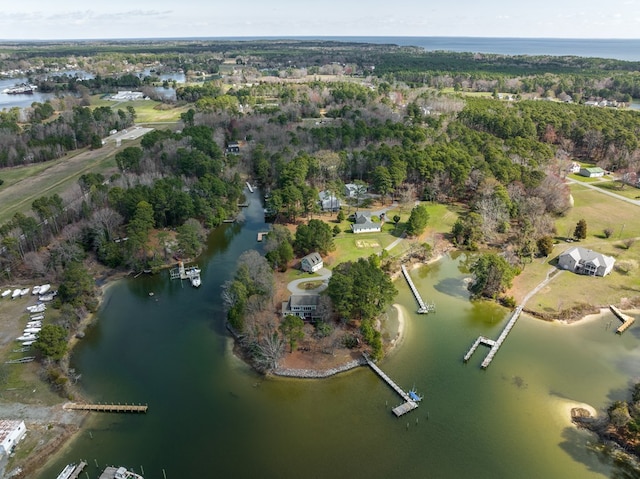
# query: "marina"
{"type": "Point", "coordinates": [423, 308]}
{"type": "Point", "coordinates": [72, 471]}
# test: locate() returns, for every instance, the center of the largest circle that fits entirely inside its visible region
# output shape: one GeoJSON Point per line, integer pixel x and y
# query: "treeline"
{"type": "Point", "coordinates": [46, 140]}
{"type": "Point", "coordinates": [176, 181]}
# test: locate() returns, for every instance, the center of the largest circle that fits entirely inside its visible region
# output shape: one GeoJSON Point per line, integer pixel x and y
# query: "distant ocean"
{"type": "Point", "coordinates": [600, 48]}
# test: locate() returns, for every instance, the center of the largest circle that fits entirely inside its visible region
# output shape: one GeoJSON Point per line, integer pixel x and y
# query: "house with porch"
{"type": "Point", "coordinates": [585, 261]}
{"type": "Point", "coordinates": [364, 224]}
{"type": "Point", "coordinates": [311, 263]}
{"type": "Point", "coordinates": [302, 305]}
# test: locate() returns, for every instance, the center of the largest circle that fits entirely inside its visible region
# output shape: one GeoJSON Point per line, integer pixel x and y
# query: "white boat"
{"type": "Point", "coordinates": [27, 337]}
{"type": "Point", "coordinates": [6, 293]}
{"type": "Point", "coordinates": [37, 308]}
{"type": "Point", "coordinates": [25, 291]}
{"type": "Point", "coordinates": [28, 343]}
{"type": "Point", "coordinates": [67, 471]}
{"type": "Point", "coordinates": [37, 317]}
{"type": "Point", "coordinates": [193, 274]}
{"type": "Point", "coordinates": [32, 330]}
{"type": "Point", "coordinates": [44, 288]}
{"type": "Point", "coordinates": [122, 473]}
{"type": "Point", "coordinates": [16, 293]}
{"type": "Point", "coordinates": [35, 290]}
{"type": "Point", "coordinates": [34, 324]}
{"type": "Point", "coordinates": [46, 297]}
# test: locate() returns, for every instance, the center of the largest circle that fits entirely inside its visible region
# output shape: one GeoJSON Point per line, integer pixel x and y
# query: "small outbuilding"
{"type": "Point", "coordinates": [311, 263]}
{"type": "Point", "coordinates": [585, 261]}
{"type": "Point", "coordinates": [592, 172]}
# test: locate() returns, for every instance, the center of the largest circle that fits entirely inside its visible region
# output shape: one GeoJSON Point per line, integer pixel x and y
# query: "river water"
{"type": "Point", "coordinates": [211, 416]}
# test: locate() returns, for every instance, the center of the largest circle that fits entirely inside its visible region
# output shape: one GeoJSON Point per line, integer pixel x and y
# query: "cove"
{"type": "Point", "coordinates": [210, 415]}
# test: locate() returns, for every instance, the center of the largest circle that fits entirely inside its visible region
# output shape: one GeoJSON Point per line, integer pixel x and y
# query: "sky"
{"type": "Point", "coordinates": [99, 19]}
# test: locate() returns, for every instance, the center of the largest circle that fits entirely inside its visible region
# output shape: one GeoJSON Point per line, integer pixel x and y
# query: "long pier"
{"type": "Point", "coordinates": [495, 345]}
{"type": "Point", "coordinates": [422, 307]}
{"type": "Point", "coordinates": [250, 187]}
{"type": "Point", "coordinates": [107, 407]}
{"type": "Point", "coordinates": [408, 405]}
{"type": "Point", "coordinates": [78, 469]}
{"type": "Point", "coordinates": [625, 318]}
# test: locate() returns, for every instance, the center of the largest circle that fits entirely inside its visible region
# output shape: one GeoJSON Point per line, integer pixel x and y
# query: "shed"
{"type": "Point", "coordinates": [10, 434]}
{"type": "Point", "coordinates": [592, 172]}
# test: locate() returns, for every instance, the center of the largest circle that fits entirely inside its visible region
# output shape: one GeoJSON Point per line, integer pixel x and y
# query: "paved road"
{"type": "Point", "coordinates": [324, 275]}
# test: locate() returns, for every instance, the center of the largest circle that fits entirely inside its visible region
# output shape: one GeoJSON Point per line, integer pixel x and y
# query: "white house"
{"type": "Point", "coordinates": [10, 434]}
{"type": "Point", "coordinates": [127, 95]}
{"type": "Point", "coordinates": [585, 261]}
{"type": "Point", "coordinates": [301, 305]}
{"type": "Point", "coordinates": [311, 263]}
{"type": "Point", "coordinates": [575, 167]}
{"type": "Point", "coordinates": [364, 224]}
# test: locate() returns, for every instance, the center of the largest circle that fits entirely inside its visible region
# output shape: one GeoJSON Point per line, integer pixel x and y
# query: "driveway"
{"type": "Point", "coordinates": [603, 191]}
{"type": "Point", "coordinates": [323, 275]}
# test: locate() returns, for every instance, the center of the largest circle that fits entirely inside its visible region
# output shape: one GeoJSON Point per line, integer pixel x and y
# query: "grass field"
{"type": "Point", "coordinates": [569, 290]}
{"type": "Point", "coordinates": [147, 111]}
{"type": "Point", "coordinates": [614, 187]}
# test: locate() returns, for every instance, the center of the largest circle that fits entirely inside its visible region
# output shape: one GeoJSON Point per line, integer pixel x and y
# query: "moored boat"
{"type": "Point", "coordinates": [34, 324]}
{"type": "Point", "coordinates": [37, 308]}
{"type": "Point", "coordinates": [21, 89]}
{"type": "Point", "coordinates": [44, 288]}
{"type": "Point", "coordinates": [67, 471]}
{"type": "Point", "coordinates": [37, 317]}
{"type": "Point", "coordinates": [32, 330]}
{"type": "Point", "coordinates": [27, 337]}
{"type": "Point", "coordinates": [16, 293]}
{"type": "Point", "coordinates": [46, 297]}
{"type": "Point", "coordinates": [28, 343]}
{"type": "Point", "coordinates": [35, 290]}
{"type": "Point", "coordinates": [6, 293]}
{"type": "Point", "coordinates": [25, 291]}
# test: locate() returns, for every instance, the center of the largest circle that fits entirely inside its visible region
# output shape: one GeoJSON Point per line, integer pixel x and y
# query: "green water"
{"type": "Point", "coordinates": [211, 416]}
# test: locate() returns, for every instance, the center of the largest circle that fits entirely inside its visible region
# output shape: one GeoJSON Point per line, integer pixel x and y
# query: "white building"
{"type": "Point", "coordinates": [311, 263]}
{"type": "Point", "coordinates": [364, 224]}
{"type": "Point", "coordinates": [127, 95]}
{"type": "Point", "coordinates": [10, 434]}
{"type": "Point", "coordinates": [585, 261]}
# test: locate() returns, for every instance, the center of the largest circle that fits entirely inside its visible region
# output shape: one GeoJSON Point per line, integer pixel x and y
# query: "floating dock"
{"type": "Point", "coordinates": [423, 308]}
{"type": "Point", "coordinates": [250, 187]}
{"type": "Point", "coordinates": [192, 273]}
{"type": "Point", "coordinates": [262, 234]}
{"type": "Point", "coordinates": [625, 318]}
{"type": "Point", "coordinates": [107, 407]}
{"type": "Point", "coordinates": [494, 345]}
{"type": "Point", "coordinates": [409, 404]}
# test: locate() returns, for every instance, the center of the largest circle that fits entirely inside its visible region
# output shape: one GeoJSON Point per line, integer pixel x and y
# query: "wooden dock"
{"type": "Point", "coordinates": [423, 308]}
{"type": "Point", "coordinates": [625, 318]}
{"type": "Point", "coordinates": [79, 468]}
{"type": "Point", "coordinates": [107, 407]}
{"type": "Point", "coordinates": [494, 345]}
{"type": "Point", "coordinates": [408, 405]}
{"type": "Point", "coordinates": [262, 234]}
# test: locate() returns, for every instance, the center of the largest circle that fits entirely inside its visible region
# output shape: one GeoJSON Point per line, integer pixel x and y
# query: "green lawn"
{"type": "Point", "coordinates": [569, 290]}
{"type": "Point", "coordinates": [583, 179]}
{"type": "Point", "coordinates": [614, 187]}
{"type": "Point", "coordinates": [147, 111]}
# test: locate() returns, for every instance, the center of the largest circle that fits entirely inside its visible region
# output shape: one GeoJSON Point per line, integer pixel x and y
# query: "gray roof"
{"type": "Point", "coordinates": [363, 221]}
{"type": "Point", "coordinates": [584, 255]}
{"type": "Point", "coordinates": [313, 258]}
{"type": "Point", "coordinates": [304, 300]}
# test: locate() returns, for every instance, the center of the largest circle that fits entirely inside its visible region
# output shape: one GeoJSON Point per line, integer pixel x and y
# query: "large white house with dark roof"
{"type": "Point", "coordinates": [585, 261]}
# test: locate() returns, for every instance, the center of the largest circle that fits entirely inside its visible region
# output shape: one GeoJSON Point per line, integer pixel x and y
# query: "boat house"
{"type": "Point", "coordinates": [585, 261]}
{"type": "Point", "coordinates": [302, 305]}
{"type": "Point", "coordinates": [364, 224]}
{"type": "Point", "coordinates": [311, 263]}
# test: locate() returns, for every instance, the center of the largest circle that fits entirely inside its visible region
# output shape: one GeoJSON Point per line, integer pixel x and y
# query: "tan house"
{"type": "Point", "coordinates": [311, 263]}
